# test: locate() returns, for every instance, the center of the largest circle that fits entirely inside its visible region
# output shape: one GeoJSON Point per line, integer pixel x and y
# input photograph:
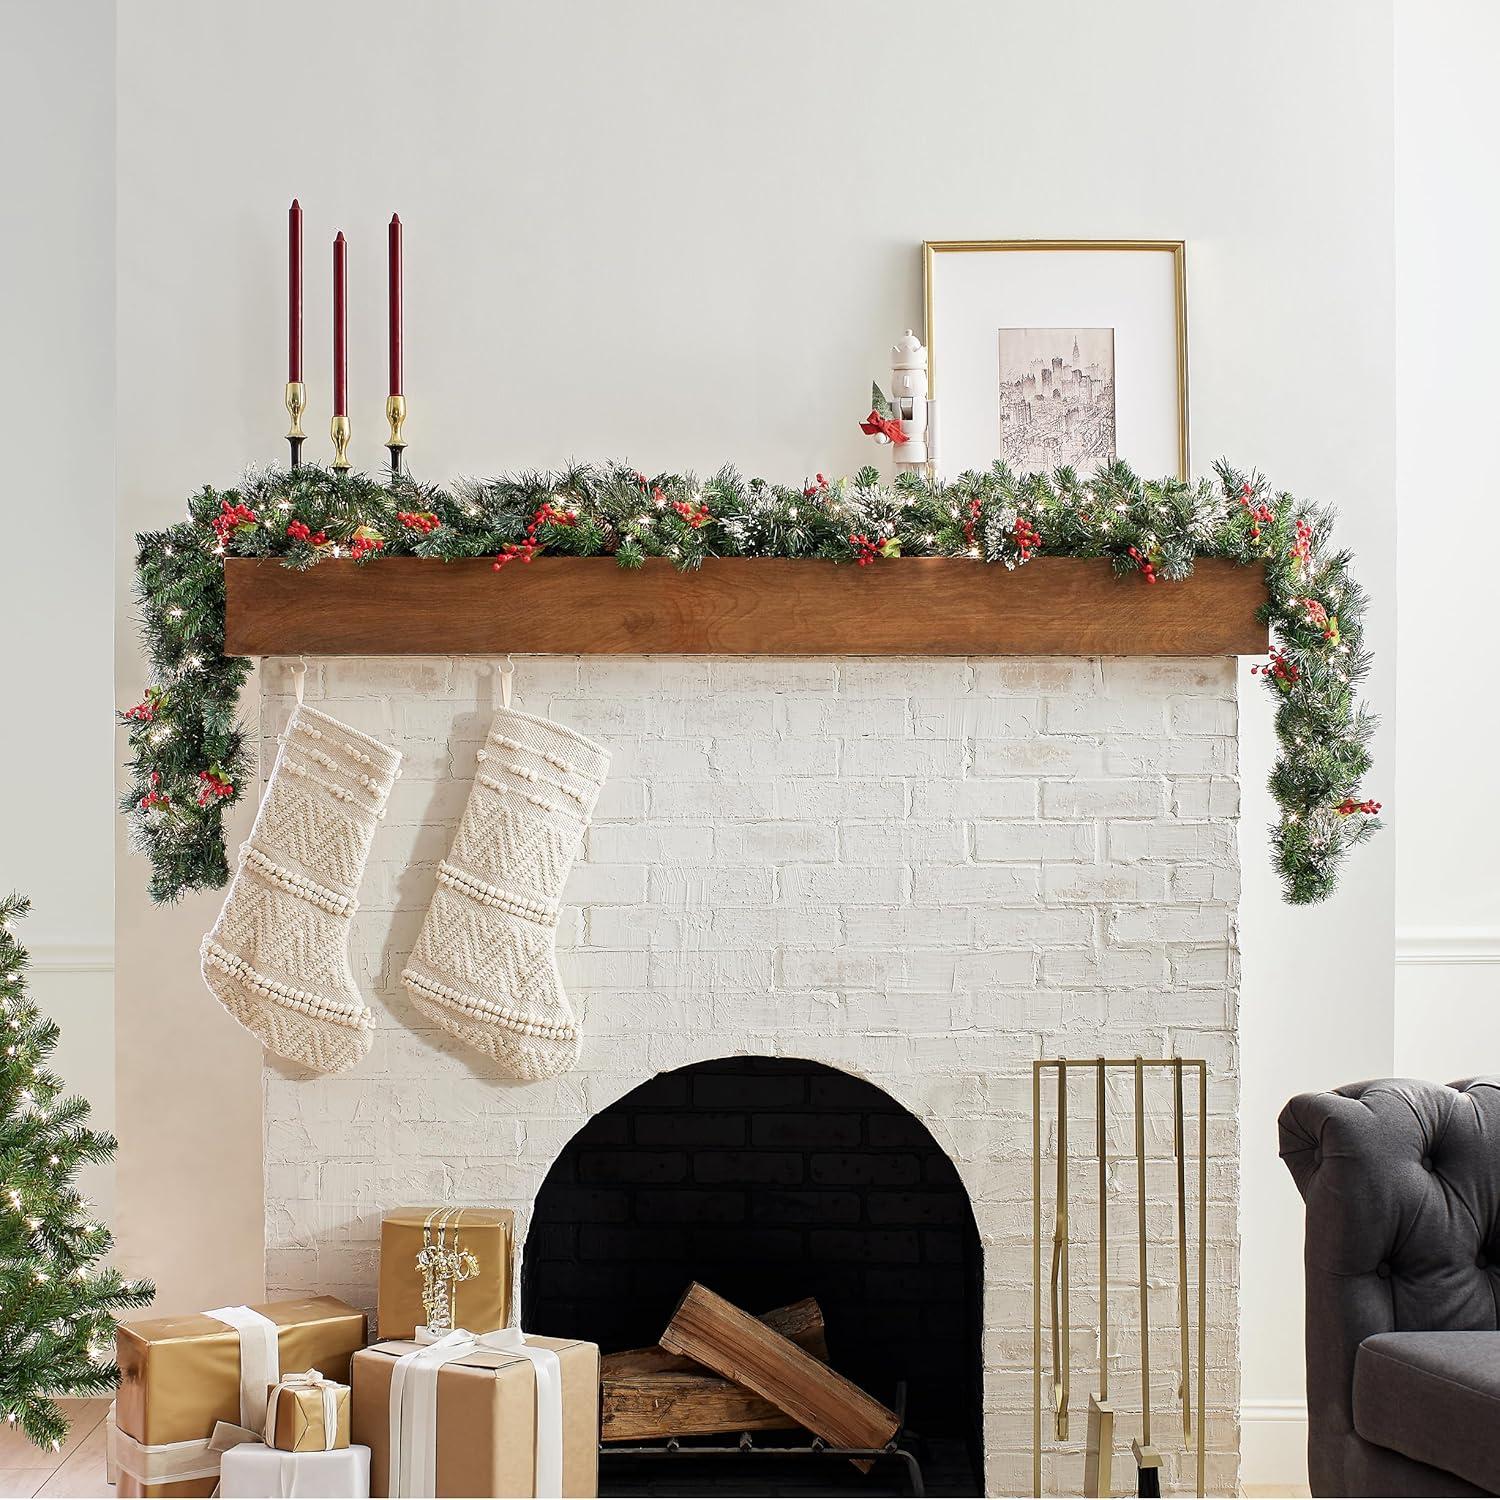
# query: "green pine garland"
{"type": "Point", "coordinates": [57, 1310]}
{"type": "Point", "coordinates": [188, 759]}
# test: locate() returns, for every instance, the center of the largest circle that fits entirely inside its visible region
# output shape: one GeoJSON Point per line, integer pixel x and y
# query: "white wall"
{"type": "Point", "coordinates": [1448, 327]}
{"type": "Point", "coordinates": [57, 330]}
{"type": "Point", "coordinates": [686, 233]}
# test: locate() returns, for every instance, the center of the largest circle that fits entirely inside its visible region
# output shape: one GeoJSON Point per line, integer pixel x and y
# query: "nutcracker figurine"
{"type": "Point", "coordinates": [909, 419]}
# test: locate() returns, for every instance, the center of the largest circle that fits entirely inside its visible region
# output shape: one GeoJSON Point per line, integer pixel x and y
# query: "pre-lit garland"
{"type": "Point", "coordinates": [188, 760]}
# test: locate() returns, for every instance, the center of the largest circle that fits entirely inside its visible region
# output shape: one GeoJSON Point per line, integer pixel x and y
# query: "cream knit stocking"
{"type": "Point", "coordinates": [277, 957]}
{"type": "Point", "coordinates": [485, 965]}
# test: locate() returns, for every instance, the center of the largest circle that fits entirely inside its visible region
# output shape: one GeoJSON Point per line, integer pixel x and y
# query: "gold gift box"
{"type": "Point", "coordinates": [486, 1419]}
{"type": "Point", "coordinates": [297, 1424]}
{"type": "Point", "coordinates": [481, 1304]}
{"type": "Point", "coordinates": [181, 1375]}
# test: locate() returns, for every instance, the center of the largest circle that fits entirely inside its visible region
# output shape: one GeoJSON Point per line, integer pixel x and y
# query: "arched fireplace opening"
{"type": "Point", "coordinates": [770, 1180]}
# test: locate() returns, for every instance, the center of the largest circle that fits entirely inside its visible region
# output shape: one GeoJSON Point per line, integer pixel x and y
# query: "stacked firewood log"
{"type": "Point", "coordinates": [717, 1369]}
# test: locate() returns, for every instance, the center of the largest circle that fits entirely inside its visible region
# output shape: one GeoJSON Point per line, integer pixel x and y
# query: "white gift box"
{"type": "Point", "coordinates": [253, 1471]}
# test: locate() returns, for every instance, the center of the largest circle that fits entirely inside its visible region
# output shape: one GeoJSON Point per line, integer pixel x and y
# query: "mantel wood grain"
{"type": "Point", "coordinates": [1054, 606]}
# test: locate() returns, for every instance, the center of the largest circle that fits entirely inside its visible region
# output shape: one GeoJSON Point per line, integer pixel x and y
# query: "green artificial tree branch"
{"type": "Point", "coordinates": [57, 1305]}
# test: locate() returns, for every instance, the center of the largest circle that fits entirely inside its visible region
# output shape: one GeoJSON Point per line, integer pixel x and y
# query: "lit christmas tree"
{"type": "Point", "coordinates": [57, 1312]}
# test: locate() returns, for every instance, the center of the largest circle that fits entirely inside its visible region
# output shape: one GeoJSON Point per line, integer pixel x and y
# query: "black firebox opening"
{"type": "Point", "coordinates": [770, 1179]}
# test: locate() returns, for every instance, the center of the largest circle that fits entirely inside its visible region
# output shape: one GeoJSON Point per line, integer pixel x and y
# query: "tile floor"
{"type": "Point", "coordinates": [77, 1468]}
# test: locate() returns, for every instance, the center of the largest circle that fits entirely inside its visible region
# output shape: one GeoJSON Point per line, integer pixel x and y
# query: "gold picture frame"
{"type": "Point", "coordinates": [1176, 249]}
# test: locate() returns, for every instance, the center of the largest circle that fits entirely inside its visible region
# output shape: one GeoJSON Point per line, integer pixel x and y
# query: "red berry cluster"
{"type": "Point", "coordinates": [1028, 538]}
{"type": "Point", "coordinates": [1285, 672]}
{"type": "Point", "coordinates": [972, 524]}
{"type": "Point", "coordinates": [515, 551]}
{"type": "Point", "coordinates": [549, 515]}
{"type": "Point", "coordinates": [364, 540]}
{"type": "Point", "coordinates": [230, 517]}
{"type": "Point", "coordinates": [1302, 544]}
{"type": "Point", "coordinates": [866, 549]}
{"type": "Point", "coordinates": [1260, 515]}
{"type": "Point", "coordinates": [811, 491]}
{"type": "Point", "coordinates": [300, 531]}
{"type": "Point", "coordinates": [1349, 805]}
{"type": "Point", "coordinates": [143, 712]}
{"type": "Point", "coordinates": [212, 786]}
{"type": "Point", "coordinates": [418, 520]}
{"type": "Point", "coordinates": [694, 515]}
{"type": "Point", "coordinates": [155, 798]}
{"type": "Point", "coordinates": [1148, 568]}
{"type": "Point", "coordinates": [1317, 615]}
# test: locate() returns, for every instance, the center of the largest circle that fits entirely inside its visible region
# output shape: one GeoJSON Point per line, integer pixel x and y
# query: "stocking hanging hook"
{"type": "Point", "coordinates": [299, 676]}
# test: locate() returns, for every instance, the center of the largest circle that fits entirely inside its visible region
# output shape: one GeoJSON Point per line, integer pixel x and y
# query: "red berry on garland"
{"type": "Point", "coordinates": [695, 516]}
{"type": "Point", "coordinates": [1283, 672]}
{"type": "Point", "coordinates": [1302, 544]}
{"type": "Point", "coordinates": [230, 519]}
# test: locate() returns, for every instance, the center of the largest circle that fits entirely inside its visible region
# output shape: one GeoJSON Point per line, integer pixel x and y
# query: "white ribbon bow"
{"type": "Point", "coordinates": [413, 1408]}
{"type": "Point", "coordinates": [308, 1380]}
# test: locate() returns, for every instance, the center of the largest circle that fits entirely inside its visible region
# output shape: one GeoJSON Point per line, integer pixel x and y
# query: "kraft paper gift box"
{"type": "Point", "coordinates": [297, 1412]}
{"type": "Point", "coordinates": [480, 1303]}
{"type": "Point", "coordinates": [181, 1376]}
{"type": "Point", "coordinates": [488, 1427]}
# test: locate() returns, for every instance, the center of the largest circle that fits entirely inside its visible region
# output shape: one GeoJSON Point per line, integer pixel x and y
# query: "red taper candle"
{"type": "Point", "coordinates": [394, 245]}
{"type": "Point", "coordinates": [294, 292]}
{"type": "Point", "coordinates": [340, 348]}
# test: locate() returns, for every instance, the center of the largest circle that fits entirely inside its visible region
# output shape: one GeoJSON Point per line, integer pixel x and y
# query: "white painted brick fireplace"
{"type": "Point", "coordinates": [924, 873]}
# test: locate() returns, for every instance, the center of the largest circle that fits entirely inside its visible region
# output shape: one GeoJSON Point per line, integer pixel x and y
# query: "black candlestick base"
{"type": "Point", "coordinates": [295, 444]}
{"type": "Point", "coordinates": [396, 450]}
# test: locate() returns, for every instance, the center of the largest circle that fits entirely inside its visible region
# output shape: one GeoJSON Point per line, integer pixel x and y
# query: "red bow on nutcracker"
{"type": "Point", "coordinates": [883, 428]}
{"type": "Point", "coordinates": [908, 419]}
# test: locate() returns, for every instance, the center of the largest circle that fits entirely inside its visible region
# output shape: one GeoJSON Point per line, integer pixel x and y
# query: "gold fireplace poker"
{"type": "Point", "coordinates": [1099, 1451]}
{"type": "Point", "coordinates": [1061, 1333]}
{"type": "Point", "coordinates": [1184, 1372]}
{"type": "Point", "coordinates": [1147, 1459]}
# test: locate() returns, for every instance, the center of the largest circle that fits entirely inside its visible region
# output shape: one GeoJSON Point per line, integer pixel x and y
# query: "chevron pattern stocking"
{"type": "Point", "coordinates": [485, 965]}
{"type": "Point", "coordinates": [277, 957]}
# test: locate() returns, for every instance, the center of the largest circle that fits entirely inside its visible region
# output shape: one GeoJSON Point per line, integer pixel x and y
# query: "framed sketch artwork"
{"type": "Point", "coordinates": [1052, 352]}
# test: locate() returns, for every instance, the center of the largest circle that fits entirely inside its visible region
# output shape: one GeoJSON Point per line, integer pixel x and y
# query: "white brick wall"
{"type": "Point", "coordinates": [924, 872]}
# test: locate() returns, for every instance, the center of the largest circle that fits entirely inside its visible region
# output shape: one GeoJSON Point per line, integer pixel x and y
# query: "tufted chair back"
{"type": "Point", "coordinates": [1402, 1185]}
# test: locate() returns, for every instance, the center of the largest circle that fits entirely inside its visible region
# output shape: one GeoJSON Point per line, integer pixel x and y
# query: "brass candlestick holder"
{"type": "Point", "coordinates": [1102, 1415]}
{"type": "Point", "coordinates": [395, 414]}
{"type": "Point", "coordinates": [296, 404]}
{"type": "Point", "coordinates": [341, 433]}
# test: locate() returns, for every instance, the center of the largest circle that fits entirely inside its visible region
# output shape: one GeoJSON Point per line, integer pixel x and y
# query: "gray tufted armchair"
{"type": "Point", "coordinates": [1402, 1185]}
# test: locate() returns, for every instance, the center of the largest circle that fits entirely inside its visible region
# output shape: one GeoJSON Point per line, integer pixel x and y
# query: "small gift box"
{"type": "Point", "coordinates": [253, 1471]}
{"type": "Point", "coordinates": [488, 1415]}
{"type": "Point", "coordinates": [307, 1414]}
{"type": "Point", "coordinates": [452, 1264]}
{"type": "Point", "coordinates": [191, 1387]}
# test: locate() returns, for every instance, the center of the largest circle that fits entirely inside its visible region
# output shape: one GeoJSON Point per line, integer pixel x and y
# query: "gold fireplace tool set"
{"type": "Point", "coordinates": [1099, 1451]}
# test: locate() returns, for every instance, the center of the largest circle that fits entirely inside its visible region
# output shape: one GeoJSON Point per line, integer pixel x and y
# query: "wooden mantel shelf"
{"type": "Point", "coordinates": [930, 606]}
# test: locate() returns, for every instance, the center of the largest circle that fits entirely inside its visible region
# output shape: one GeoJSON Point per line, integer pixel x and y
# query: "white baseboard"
{"type": "Point", "coordinates": [1273, 1444]}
